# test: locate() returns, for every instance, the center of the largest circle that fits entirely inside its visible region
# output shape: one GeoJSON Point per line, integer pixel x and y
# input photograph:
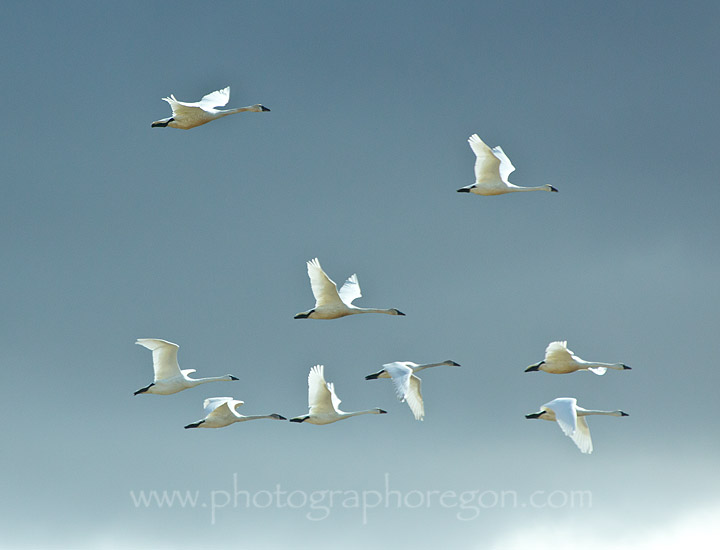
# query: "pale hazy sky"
{"type": "Point", "coordinates": [113, 230]}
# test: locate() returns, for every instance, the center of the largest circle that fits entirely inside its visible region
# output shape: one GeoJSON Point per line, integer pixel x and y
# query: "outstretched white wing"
{"type": "Point", "coordinates": [414, 398]}
{"type": "Point", "coordinates": [581, 437]}
{"type": "Point", "coordinates": [598, 370]}
{"type": "Point", "coordinates": [165, 363]}
{"type": "Point", "coordinates": [333, 397]}
{"type": "Point", "coordinates": [208, 103]}
{"type": "Point", "coordinates": [221, 407]}
{"type": "Point", "coordinates": [214, 99]}
{"type": "Point", "coordinates": [212, 403]}
{"type": "Point", "coordinates": [487, 164]}
{"type": "Point", "coordinates": [350, 290]}
{"type": "Point", "coordinates": [323, 288]}
{"type": "Point", "coordinates": [557, 352]}
{"type": "Point", "coordinates": [407, 386]}
{"type": "Point", "coordinates": [576, 428]}
{"type": "Point", "coordinates": [400, 374]}
{"type": "Point", "coordinates": [321, 395]}
{"type": "Point", "coordinates": [565, 413]}
{"type": "Point", "coordinates": [506, 167]}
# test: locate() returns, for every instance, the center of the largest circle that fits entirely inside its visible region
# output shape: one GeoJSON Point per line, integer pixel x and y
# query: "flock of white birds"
{"type": "Point", "coordinates": [492, 169]}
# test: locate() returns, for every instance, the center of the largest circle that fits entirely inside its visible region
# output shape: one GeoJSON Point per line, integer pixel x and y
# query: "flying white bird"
{"type": "Point", "coordinates": [492, 169]}
{"type": "Point", "coordinates": [331, 303]}
{"type": "Point", "coordinates": [189, 115]}
{"type": "Point", "coordinates": [222, 411]}
{"type": "Point", "coordinates": [168, 376]}
{"type": "Point", "coordinates": [560, 360]}
{"type": "Point", "coordinates": [570, 418]}
{"type": "Point", "coordinates": [324, 403]}
{"type": "Point", "coordinates": [407, 385]}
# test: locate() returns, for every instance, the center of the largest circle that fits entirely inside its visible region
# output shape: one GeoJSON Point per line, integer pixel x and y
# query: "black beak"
{"type": "Point", "coordinates": [625, 367]}
{"type": "Point", "coordinates": [535, 415]}
{"type": "Point", "coordinates": [264, 108]}
{"type": "Point", "coordinates": [553, 190]}
{"type": "Point", "coordinates": [463, 190]}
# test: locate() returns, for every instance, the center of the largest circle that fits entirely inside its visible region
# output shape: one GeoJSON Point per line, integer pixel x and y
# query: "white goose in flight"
{"type": "Point", "coordinates": [407, 385]}
{"type": "Point", "coordinates": [189, 115]}
{"type": "Point", "coordinates": [222, 411]}
{"type": "Point", "coordinates": [168, 376]}
{"type": "Point", "coordinates": [560, 360]}
{"type": "Point", "coordinates": [331, 303]}
{"type": "Point", "coordinates": [323, 401]}
{"type": "Point", "coordinates": [492, 169]}
{"type": "Point", "coordinates": [571, 419]}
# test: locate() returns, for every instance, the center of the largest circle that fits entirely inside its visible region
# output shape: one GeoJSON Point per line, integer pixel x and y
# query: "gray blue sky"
{"type": "Point", "coordinates": [114, 231]}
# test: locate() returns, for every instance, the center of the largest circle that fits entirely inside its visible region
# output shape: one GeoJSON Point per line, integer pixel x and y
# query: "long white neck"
{"type": "Point", "coordinates": [233, 111]}
{"type": "Point", "coordinates": [220, 114]}
{"type": "Point", "coordinates": [588, 412]}
{"type": "Point", "coordinates": [373, 310]}
{"type": "Point", "coordinates": [517, 188]}
{"type": "Point", "coordinates": [616, 366]}
{"type": "Point", "coordinates": [422, 367]}
{"type": "Point", "coordinates": [255, 417]}
{"type": "Point", "coordinates": [198, 381]}
{"type": "Point", "coordinates": [358, 413]}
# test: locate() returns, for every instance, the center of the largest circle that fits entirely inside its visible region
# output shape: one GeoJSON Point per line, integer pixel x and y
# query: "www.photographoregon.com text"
{"type": "Point", "coordinates": [317, 505]}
